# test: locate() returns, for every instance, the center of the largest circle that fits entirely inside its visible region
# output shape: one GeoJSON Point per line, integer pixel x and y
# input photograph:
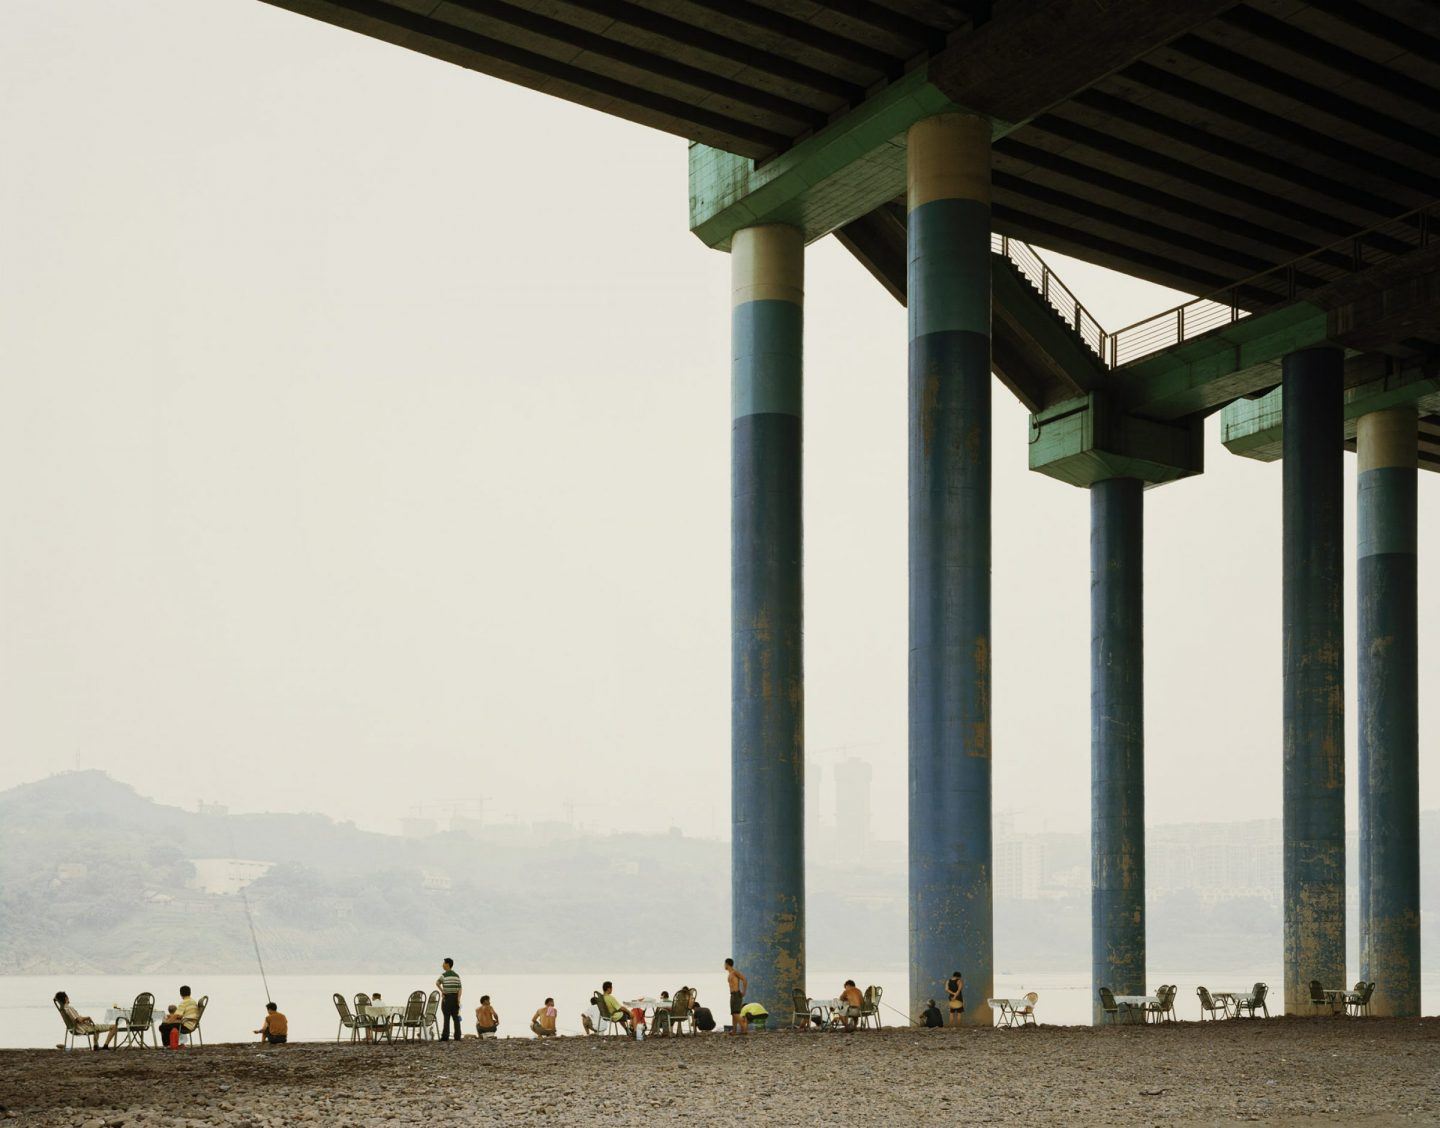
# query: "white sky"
{"type": "Point", "coordinates": [365, 437]}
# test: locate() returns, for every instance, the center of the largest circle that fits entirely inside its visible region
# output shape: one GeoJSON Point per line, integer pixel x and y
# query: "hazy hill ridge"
{"type": "Point", "coordinates": [95, 878]}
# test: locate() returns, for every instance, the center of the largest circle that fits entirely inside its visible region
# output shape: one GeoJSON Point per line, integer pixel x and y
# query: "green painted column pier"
{"type": "Point", "coordinates": [1314, 669]}
{"type": "Point", "coordinates": [1388, 667]}
{"type": "Point", "coordinates": [948, 281]}
{"type": "Point", "coordinates": [767, 726]}
{"type": "Point", "coordinates": [1117, 738]}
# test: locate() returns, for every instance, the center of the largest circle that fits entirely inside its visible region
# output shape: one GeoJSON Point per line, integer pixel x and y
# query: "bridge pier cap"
{"type": "Point", "coordinates": [767, 728]}
{"type": "Point", "coordinates": [948, 288]}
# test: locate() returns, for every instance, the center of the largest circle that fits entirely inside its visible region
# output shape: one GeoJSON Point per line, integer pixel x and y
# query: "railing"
{"type": "Point", "coordinates": [1035, 271]}
{"type": "Point", "coordinates": [1385, 241]}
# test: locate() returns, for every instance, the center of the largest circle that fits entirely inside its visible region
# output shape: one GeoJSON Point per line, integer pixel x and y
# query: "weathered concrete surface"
{"type": "Point", "coordinates": [767, 688]}
{"type": "Point", "coordinates": [1290, 1071]}
{"type": "Point", "coordinates": [1117, 737]}
{"type": "Point", "coordinates": [1389, 722]}
{"type": "Point", "coordinates": [948, 284]}
{"type": "Point", "coordinates": [1314, 669]}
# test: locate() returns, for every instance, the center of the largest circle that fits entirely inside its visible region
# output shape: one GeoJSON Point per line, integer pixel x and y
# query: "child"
{"type": "Point", "coordinates": [170, 1028]}
{"type": "Point", "coordinates": [276, 1027]}
{"type": "Point", "coordinates": [487, 1021]}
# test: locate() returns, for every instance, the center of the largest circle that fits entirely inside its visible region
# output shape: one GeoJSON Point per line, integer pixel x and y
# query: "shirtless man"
{"type": "Point", "coordinates": [738, 984]}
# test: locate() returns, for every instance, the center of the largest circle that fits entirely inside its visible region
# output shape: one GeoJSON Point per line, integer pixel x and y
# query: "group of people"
{"type": "Point", "coordinates": [183, 1017]}
{"type": "Point", "coordinates": [179, 1022]}
{"type": "Point", "coordinates": [955, 1003]}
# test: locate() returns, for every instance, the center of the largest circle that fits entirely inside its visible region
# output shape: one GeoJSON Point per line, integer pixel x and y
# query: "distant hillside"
{"type": "Point", "coordinates": [96, 878]}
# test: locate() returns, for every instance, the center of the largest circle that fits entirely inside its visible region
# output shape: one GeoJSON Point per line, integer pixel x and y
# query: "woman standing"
{"type": "Point", "coordinates": [955, 992]}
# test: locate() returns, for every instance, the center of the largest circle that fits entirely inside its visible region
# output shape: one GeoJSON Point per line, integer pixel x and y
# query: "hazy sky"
{"type": "Point", "coordinates": [365, 444]}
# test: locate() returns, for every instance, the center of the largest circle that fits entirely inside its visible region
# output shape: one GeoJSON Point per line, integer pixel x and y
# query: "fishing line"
{"type": "Point", "coordinates": [253, 940]}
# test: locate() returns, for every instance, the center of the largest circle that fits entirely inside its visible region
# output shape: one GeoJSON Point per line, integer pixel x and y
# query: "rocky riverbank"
{"type": "Point", "coordinates": [1286, 1070]}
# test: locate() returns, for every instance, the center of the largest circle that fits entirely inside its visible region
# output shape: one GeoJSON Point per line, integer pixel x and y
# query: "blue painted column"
{"type": "Point", "coordinates": [1389, 697]}
{"type": "Point", "coordinates": [767, 726]}
{"type": "Point", "coordinates": [1117, 738]}
{"type": "Point", "coordinates": [951, 919]}
{"type": "Point", "coordinates": [1314, 667]}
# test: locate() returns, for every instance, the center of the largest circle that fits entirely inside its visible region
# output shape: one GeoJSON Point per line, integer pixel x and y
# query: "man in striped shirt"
{"type": "Point", "coordinates": [449, 984]}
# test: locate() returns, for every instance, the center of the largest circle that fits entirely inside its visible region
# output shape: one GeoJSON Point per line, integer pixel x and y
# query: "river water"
{"type": "Point", "coordinates": [237, 1002]}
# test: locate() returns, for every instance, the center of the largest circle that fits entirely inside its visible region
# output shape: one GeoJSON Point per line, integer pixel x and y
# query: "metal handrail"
{"type": "Point", "coordinates": [1408, 232]}
{"type": "Point", "coordinates": [1053, 291]}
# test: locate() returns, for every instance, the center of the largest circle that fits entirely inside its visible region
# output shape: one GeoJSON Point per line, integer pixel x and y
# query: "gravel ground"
{"type": "Point", "coordinates": [1294, 1071]}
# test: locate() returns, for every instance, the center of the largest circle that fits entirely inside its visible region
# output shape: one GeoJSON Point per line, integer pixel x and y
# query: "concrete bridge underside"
{"type": "Point", "coordinates": [1277, 156]}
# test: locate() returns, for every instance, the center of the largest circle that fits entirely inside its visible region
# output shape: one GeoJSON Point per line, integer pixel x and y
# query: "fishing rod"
{"type": "Point", "coordinates": [901, 1013]}
{"type": "Point", "coordinates": [244, 900]}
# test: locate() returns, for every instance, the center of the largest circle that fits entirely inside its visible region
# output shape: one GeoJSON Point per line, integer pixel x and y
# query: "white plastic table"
{"type": "Point", "coordinates": [1012, 1011]}
{"type": "Point", "coordinates": [1137, 1004]}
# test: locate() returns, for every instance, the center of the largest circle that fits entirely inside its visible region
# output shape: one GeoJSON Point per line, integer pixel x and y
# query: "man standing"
{"type": "Point", "coordinates": [738, 984]}
{"type": "Point", "coordinates": [449, 984]}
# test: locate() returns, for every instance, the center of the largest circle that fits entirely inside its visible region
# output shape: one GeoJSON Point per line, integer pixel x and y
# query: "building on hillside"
{"type": "Point", "coordinates": [224, 876]}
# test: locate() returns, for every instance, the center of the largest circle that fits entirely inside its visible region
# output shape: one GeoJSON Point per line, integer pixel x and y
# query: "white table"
{"type": "Point", "coordinates": [1137, 1004]}
{"type": "Point", "coordinates": [829, 1010]}
{"type": "Point", "coordinates": [115, 1014]}
{"type": "Point", "coordinates": [1013, 1011]}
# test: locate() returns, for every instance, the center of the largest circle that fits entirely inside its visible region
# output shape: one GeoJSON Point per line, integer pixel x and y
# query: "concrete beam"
{"type": "Point", "coordinates": [1088, 439]}
{"type": "Point", "coordinates": [1252, 428]}
{"type": "Point", "coordinates": [857, 163]}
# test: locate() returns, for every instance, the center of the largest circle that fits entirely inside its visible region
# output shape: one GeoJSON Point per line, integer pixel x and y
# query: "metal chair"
{"type": "Point", "coordinates": [870, 1012]}
{"type": "Point", "coordinates": [410, 1022]}
{"type": "Point", "coordinates": [348, 1021]}
{"type": "Point", "coordinates": [1026, 1014]}
{"type": "Point", "coordinates": [140, 1022]}
{"type": "Point", "coordinates": [1358, 1001]}
{"type": "Point", "coordinates": [194, 1031]}
{"type": "Point", "coordinates": [1108, 1005]}
{"type": "Point", "coordinates": [1209, 1006]}
{"type": "Point", "coordinates": [680, 1011]}
{"type": "Point", "coordinates": [1317, 996]}
{"type": "Point", "coordinates": [432, 1011]}
{"type": "Point", "coordinates": [1256, 999]}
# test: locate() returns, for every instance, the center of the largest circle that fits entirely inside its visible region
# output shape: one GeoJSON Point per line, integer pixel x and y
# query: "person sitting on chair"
{"type": "Point", "coordinates": [170, 1028]}
{"type": "Point", "coordinates": [853, 1001]}
{"type": "Point", "coordinates": [611, 1007]}
{"type": "Point", "coordinates": [275, 1030]}
{"type": "Point", "coordinates": [84, 1025]}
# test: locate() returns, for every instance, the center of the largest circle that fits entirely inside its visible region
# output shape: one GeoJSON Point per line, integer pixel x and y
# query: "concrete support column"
{"type": "Point", "coordinates": [951, 925]}
{"type": "Point", "coordinates": [1314, 665]}
{"type": "Point", "coordinates": [1389, 711]}
{"type": "Point", "coordinates": [767, 726]}
{"type": "Point", "coordinates": [1117, 738]}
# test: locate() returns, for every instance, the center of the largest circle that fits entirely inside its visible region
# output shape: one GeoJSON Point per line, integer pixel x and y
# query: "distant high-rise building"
{"type": "Point", "coordinates": [852, 808]}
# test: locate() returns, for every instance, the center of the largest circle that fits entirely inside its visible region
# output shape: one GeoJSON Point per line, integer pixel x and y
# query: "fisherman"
{"type": "Point", "coordinates": [852, 1002]}
{"type": "Point", "coordinates": [932, 1018]}
{"type": "Point", "coordinates": [449, 984]}
{"type": "Point", "coordinates": [275, 1030]}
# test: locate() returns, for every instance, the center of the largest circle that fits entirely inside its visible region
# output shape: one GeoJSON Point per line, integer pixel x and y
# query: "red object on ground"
{"type": "Point", "coordinates": [638, 1014]}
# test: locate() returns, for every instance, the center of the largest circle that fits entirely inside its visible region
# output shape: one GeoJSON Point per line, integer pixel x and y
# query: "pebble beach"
{"type": "Point", "coordinates": [1294, 1071]}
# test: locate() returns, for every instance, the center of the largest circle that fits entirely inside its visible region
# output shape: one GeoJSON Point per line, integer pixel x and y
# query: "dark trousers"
{"type": "Point", "coordinates": [449, 1012]}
